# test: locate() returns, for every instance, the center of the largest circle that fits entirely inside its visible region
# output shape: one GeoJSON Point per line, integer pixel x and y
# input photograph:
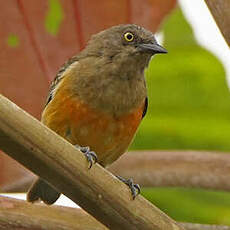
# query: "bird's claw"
{"type": "Point", "coordinates": [135, 188]}
{"type": "Point", "coordinates": [90, 155]}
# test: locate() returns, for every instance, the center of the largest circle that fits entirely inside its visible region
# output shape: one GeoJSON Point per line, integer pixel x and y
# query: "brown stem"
{"type": "Point", "coordinates": [96, 190]}
{"type": "Point", "coordinates": [190, 226]}
{"type": "Point", "coordinates": [16, 214]}
{"type": "Point", "coordinates": [176, 168]}
{"type": "Point", "coordinates": [220, 10]}
{"type": "Point", "coordinates": [195, 169]}
{"type": "Point", "coordinates": [20, 185]}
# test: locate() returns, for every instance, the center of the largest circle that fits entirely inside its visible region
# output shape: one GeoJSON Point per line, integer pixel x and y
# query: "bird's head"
{"type": "Point", "coordinates": [125, 43]}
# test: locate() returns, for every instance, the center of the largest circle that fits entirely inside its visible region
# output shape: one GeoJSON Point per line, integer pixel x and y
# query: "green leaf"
{"type": "Point", "coordinates": [191, 205]}
{"type": "Point", "coordinates": [54, 17]}
{"type": "Point", "coordinates": [13, 40]}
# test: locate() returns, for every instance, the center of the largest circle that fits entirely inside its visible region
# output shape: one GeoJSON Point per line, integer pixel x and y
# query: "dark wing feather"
{"type": "Point", "coordinates": [145, 107]}
{"type": "Point", "coordinates": [59, 77]}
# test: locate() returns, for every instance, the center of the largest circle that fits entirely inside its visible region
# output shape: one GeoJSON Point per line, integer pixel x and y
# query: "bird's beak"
{"type": "Point", "coordinates": [152, 48]}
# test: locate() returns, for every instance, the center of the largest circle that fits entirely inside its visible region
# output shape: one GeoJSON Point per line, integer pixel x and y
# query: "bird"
{"type": "Point", "coordinates": [98, 99]}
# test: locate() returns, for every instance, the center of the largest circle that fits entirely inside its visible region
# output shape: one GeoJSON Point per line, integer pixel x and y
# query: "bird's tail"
{"type": "Point", "coordinates": [42, 191]}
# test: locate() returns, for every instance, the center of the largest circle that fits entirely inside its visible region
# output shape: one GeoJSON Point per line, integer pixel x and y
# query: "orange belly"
{"type": "Point", "coordinates": [105, 134]}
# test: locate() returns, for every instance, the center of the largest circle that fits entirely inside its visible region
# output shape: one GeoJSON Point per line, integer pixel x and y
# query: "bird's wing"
{"type": "Point", "coordinates": [59, 77]}
{"type": "Point", "coordinates": [145, 107]}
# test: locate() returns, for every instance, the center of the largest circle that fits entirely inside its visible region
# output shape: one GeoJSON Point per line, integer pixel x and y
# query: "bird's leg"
{"type": "Point", "coordinates": [135, 188]}
{"type": "Point", "coordinates": [90, 155]}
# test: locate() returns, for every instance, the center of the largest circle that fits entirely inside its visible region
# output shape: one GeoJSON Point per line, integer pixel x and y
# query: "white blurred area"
{"type": "Point", "coordinates": [63, 200]}
{"type": "Point", "coordinates": [206, 31]}
{"type": "Point", "coordinates": [207, 35]}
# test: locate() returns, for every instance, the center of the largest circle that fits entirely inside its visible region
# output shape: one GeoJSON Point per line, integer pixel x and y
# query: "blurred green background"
{"type": "Point", "coordinates": [189, 107]}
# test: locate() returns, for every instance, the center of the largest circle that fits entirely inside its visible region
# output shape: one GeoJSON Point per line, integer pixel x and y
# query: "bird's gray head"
{"type": "Point", "coordinates": [131, 44]}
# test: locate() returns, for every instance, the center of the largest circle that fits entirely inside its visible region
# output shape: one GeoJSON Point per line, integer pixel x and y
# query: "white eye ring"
{"type": "Point", "coordinates": [128, 36]}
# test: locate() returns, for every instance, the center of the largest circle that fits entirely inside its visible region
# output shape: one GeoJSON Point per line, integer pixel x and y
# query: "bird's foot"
{"type": "Point", "coordinates": [135, 188]}
{"type": "Point", "coordinates": [90, 155]}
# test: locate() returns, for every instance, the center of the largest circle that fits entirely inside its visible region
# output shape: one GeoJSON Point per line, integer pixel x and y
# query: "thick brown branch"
{"type": "Point", "coordinates": [195, 169]}
{"type": "Point", "coordinates": [57, 161]}
{"type": "Point", "coordinates": [16, 214]}
{"type": "Point", "coordinates": [220, 10]}
{"type": "Point", "coordinates": [176, 168]}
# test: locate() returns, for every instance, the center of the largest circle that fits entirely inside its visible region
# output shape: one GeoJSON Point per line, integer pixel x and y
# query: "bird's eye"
{"type": "Point", "coordinates": [128, 37]}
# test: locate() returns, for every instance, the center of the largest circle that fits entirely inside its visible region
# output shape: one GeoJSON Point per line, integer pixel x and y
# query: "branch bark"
{"type": "Point", "coordinates": [192, 169]}
{"type": "Point", "coordinates": [176, 168]}
{"type": "Point", "coordinates": [20, 185]}
{"type": "Point", "coordinates": [96, 190]}
{"type": "Point", "coordinates": [220, 10]}
{"type": "Point", "coordinates": [16, 214]}
{"type": "Point", "coordinates": [191, 226]}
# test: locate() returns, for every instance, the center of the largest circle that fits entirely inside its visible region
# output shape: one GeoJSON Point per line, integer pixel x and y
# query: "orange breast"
{"type": "Point", "coordinates": [105, 134]}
